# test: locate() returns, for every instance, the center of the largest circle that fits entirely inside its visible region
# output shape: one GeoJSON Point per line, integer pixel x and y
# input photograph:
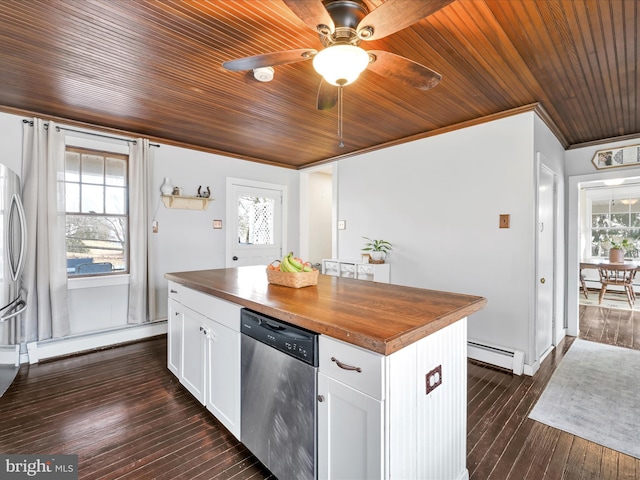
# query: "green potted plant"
{"type": "Point", "coordinates": [378, 249]}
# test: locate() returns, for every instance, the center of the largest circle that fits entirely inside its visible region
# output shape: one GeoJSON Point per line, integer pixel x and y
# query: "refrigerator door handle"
{"type": "Point", "coordinates": [20, 305]}
{"type": "Point", "coordinates": [15, 270]}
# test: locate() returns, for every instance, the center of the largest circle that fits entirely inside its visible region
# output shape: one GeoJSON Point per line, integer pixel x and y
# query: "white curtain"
{"type": "Point", "coordinates": [141, 268]}
{"type": "Point", "coordinates": [45, 273]}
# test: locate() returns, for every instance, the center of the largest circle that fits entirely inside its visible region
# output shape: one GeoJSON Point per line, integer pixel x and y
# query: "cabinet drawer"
{"type": "Point", "coordinates": [174, 291]}
{"type": "Point", "coordinates": [226, 313]}
{"type": "Point", "coordinates": [370, 378]}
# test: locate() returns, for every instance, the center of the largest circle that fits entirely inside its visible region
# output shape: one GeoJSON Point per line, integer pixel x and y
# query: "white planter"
{"type": "Point", "coordinates": [377, 256]}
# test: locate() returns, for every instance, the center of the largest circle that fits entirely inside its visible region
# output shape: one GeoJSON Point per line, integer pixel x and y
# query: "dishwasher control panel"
{"type": "Point", "coordinates": [295, 341]}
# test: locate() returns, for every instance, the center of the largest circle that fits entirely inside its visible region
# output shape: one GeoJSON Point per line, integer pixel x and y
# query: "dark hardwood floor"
{"type": "Point", "coordinates": [127, 417]}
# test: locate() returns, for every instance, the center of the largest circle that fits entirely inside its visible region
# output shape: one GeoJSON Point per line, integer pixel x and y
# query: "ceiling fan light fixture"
{"type": "Point", "coordinates": [341, 65]}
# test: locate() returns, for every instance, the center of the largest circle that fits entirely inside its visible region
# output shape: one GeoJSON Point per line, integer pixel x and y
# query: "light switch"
{"type": "Point", "coordinates": [504, 220]}
{"type": "Point", "coordinates": [154, 226]}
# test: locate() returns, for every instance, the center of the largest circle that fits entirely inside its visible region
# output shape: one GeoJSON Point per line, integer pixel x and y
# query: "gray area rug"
{"type": "Point", "coordinates": [595, 394]}
{"type": "Point", "coordinates": [7, 375]}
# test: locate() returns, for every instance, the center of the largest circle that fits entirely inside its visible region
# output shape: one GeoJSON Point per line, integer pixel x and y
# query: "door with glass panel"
{"type": "Point", "coordinates": [254, 212]}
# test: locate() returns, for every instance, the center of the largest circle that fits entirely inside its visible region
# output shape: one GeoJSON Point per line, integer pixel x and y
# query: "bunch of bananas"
{"type": "Point", "coordinates": [293, 264]}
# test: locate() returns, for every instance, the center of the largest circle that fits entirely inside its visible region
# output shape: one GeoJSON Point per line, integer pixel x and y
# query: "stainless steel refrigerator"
{"type": "Point", "coordinates": [13, 247]}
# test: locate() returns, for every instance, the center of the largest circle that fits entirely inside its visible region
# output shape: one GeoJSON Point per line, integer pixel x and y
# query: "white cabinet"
{"type": "Point", "coordinates": [374, 272]}
{"type": "Point", "coordinates": [397, 416]}
{"type": "Point", "coordinates": [350, 412]}
{"type": "Point", "coordinates": [223, 379]}
{"type": "Point", "coordinates": [204, 351]}
{"type": "Point", "coordinates": [174, 341]}
{"type": "Point", "coordinates": [193, 349]}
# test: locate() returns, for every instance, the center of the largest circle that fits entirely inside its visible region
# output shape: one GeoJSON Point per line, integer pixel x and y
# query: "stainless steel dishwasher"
{"type": "Point", "coordinates": [279, 388]}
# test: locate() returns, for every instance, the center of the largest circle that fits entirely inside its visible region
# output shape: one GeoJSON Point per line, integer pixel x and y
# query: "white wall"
{"type": "Point", "coordinates": [438, 201]}
{"type": "Point", "coordinates": [186, 239]}
{"type": "Point", "coordinates": [319, 219]}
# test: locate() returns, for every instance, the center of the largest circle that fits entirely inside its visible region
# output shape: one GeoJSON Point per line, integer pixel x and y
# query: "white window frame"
{"type": "Point", "coordinates": [118, 277]}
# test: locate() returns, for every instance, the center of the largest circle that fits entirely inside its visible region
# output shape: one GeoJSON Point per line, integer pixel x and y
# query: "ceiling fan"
{"type": "Point", "coordinates": [342, 25]}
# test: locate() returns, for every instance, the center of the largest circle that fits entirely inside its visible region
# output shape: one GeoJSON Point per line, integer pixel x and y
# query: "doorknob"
{"type": "Point", "coordinates": [234, 258]}
{"type": "Point", "coordinates": [542, 280]}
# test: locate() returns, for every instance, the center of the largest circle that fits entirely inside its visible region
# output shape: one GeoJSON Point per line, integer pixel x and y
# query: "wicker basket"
{"type": "Point", "coordinates": [377, 262]}
{"type": "Point", "coordinates": [293, 280]}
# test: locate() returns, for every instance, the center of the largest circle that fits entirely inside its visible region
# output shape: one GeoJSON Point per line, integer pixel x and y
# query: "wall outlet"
{"type": "Point", "coordinates": [217, 224]}
{"type": "Point", "coordinates": [342, 224]}
{"type": "Point", "coordinates": [433, 379]}
{"type": "Point", "coordinates": [154, 226]}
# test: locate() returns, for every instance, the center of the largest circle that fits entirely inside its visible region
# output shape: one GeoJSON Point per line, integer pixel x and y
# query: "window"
{"type": "Point", "coordinates": [255, 220]}
{"type": "Point", "coordinates": [97, 221]}
{"type": "Point", "coordinates": [615, 219]}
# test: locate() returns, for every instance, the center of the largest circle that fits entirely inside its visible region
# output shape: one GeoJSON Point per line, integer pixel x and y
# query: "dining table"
{"type": "Point", "coordinates": [596, 263]}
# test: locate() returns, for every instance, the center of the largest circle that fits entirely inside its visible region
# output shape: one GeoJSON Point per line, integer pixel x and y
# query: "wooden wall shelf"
{"type": "Point", "coordinates": [184, 202]}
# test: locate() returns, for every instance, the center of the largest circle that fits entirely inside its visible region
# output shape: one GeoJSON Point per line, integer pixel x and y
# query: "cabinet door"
{"type": "Point", "coordinates": [223, 375]}
{"type": "Point", "coordinates": [174, 340]}
{"type": "Point", "coordinates": [350, 432]}
{"type": "Point", "coordinates": [193, 351]}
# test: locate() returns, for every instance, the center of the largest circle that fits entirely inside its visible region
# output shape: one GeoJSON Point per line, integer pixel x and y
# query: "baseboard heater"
{"type": "Point", "coordinates": [70, 345]}
{"type": "Point", "coordinates": [500, 356]}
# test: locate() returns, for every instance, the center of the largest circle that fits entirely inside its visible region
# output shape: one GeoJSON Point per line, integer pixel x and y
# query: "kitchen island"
{"type": "Point", "coordinates": [400, 412]}
{"type": "Point", "coordinates": [383, 318]}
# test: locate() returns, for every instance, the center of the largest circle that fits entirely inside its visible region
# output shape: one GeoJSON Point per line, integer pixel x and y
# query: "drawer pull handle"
{"type": "Point", "coordinates": [344, 366]}
{"type": "Point", "coordinates": [173, 291]}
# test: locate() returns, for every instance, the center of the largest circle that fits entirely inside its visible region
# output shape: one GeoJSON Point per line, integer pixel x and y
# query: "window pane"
{"type": "Point", "coordinates": [72, 197]}
{"type": "Point", "coordinates": [600, 213]}
{"type": "Point", "coordinates": [116, 172]}
{"type": "Point", "coordinates": [255, 220]}
{"type": "Point", "coordinates": [95, 244]}
{"type": "Point", "coordinates": [92, 169]}
{"type": "Point", "coordinates": [115, 200]}
{"type": "Point", "coordinates": [72, 167]}
{"type": "Point", "coordinates": [619, 219]}
{"type": "Point", "coordinates": [92, 199]}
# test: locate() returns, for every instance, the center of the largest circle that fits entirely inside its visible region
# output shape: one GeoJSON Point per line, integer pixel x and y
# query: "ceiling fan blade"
{"type": "Point", "coordinates": [312, 13]}
{"type": "Point", "coordinates": [394, 15]}
{"type": "Point", "coordinates": [327, 95]}
{"type": "Point", "coordinates": [270, 59]}
{"type": "Point", "coordinates": [404, 70]}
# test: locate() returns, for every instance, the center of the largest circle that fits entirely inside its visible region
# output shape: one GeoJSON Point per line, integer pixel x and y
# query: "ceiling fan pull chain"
{"type": "Point", "coordinates": [341, 144]}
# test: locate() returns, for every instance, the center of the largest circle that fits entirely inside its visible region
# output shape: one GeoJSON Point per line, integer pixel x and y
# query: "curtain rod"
{"type": "Point", "coordinates": [30, 122]}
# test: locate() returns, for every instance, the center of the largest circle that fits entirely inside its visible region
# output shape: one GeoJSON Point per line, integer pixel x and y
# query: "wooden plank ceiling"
{"type": "Point", "coordinates": [154, 68]}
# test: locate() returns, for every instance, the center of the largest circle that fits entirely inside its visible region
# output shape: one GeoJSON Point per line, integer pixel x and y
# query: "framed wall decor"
{"type": "Point", "coordinates": [617, 157]}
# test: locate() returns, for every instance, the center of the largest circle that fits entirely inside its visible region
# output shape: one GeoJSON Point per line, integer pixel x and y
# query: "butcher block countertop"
{"type": "Point", "coordinates": [380, 317]}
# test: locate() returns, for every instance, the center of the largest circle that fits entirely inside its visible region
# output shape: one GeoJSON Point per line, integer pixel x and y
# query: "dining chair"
{"type": "Point", "coordinates": [583, 285]}
{"type": "Point", "coordinates": [618, 275]}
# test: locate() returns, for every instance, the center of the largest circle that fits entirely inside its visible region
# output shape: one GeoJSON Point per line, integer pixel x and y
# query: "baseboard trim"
{"type": "Point", "coordinates": [60, 347]}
